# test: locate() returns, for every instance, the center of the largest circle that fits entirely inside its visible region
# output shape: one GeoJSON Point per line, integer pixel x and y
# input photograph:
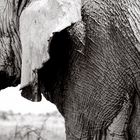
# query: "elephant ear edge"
{"type": "Point", "coordinates": [38, 22]}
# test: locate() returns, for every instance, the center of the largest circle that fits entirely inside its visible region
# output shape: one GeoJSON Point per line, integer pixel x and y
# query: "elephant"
{"type": "Point", "coordinates": [93, 74]}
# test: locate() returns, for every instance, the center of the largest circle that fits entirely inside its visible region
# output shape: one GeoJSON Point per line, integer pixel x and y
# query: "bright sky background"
{"type": "Point", "coordinates": [11, 99]}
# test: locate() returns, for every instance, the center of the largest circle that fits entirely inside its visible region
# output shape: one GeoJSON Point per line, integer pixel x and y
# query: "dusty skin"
{"type": "Point", "coordinates": [93, 71]}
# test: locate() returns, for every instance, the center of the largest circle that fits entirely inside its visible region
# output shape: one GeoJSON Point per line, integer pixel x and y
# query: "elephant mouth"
{"type": "Point", "coordinates": [7, 81]}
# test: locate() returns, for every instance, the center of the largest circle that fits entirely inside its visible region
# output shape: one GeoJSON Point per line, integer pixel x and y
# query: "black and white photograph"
{"type": "Point", "coordinates": [69, 69]}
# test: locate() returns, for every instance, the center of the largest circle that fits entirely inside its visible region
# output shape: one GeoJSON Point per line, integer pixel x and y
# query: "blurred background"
{"type": "Point", "coordinates": [21, 119]}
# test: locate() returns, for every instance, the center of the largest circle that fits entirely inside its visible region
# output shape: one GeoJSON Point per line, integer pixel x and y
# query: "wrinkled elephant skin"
{"type": "Point", "coordinates": [10, 46]}
{"type": "Point", "coordinates": [93, 74]}
{"type": "Point", "coordinates": [93, 77]}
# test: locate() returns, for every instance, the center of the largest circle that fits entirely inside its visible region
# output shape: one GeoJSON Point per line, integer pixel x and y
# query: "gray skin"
{"type": "Point", "coordinates": [93, 74]}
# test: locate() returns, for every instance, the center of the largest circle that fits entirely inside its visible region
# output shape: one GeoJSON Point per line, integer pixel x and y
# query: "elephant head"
{"type": "Point", "coordinates": [91, 70]}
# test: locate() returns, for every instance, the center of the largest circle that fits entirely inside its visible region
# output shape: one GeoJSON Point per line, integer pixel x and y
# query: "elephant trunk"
{"type": "Point", "coordinates": [10, 46]}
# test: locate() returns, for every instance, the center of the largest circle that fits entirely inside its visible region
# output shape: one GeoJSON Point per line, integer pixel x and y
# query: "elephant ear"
{"type": "Point", "coordinates": [38, 22]}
